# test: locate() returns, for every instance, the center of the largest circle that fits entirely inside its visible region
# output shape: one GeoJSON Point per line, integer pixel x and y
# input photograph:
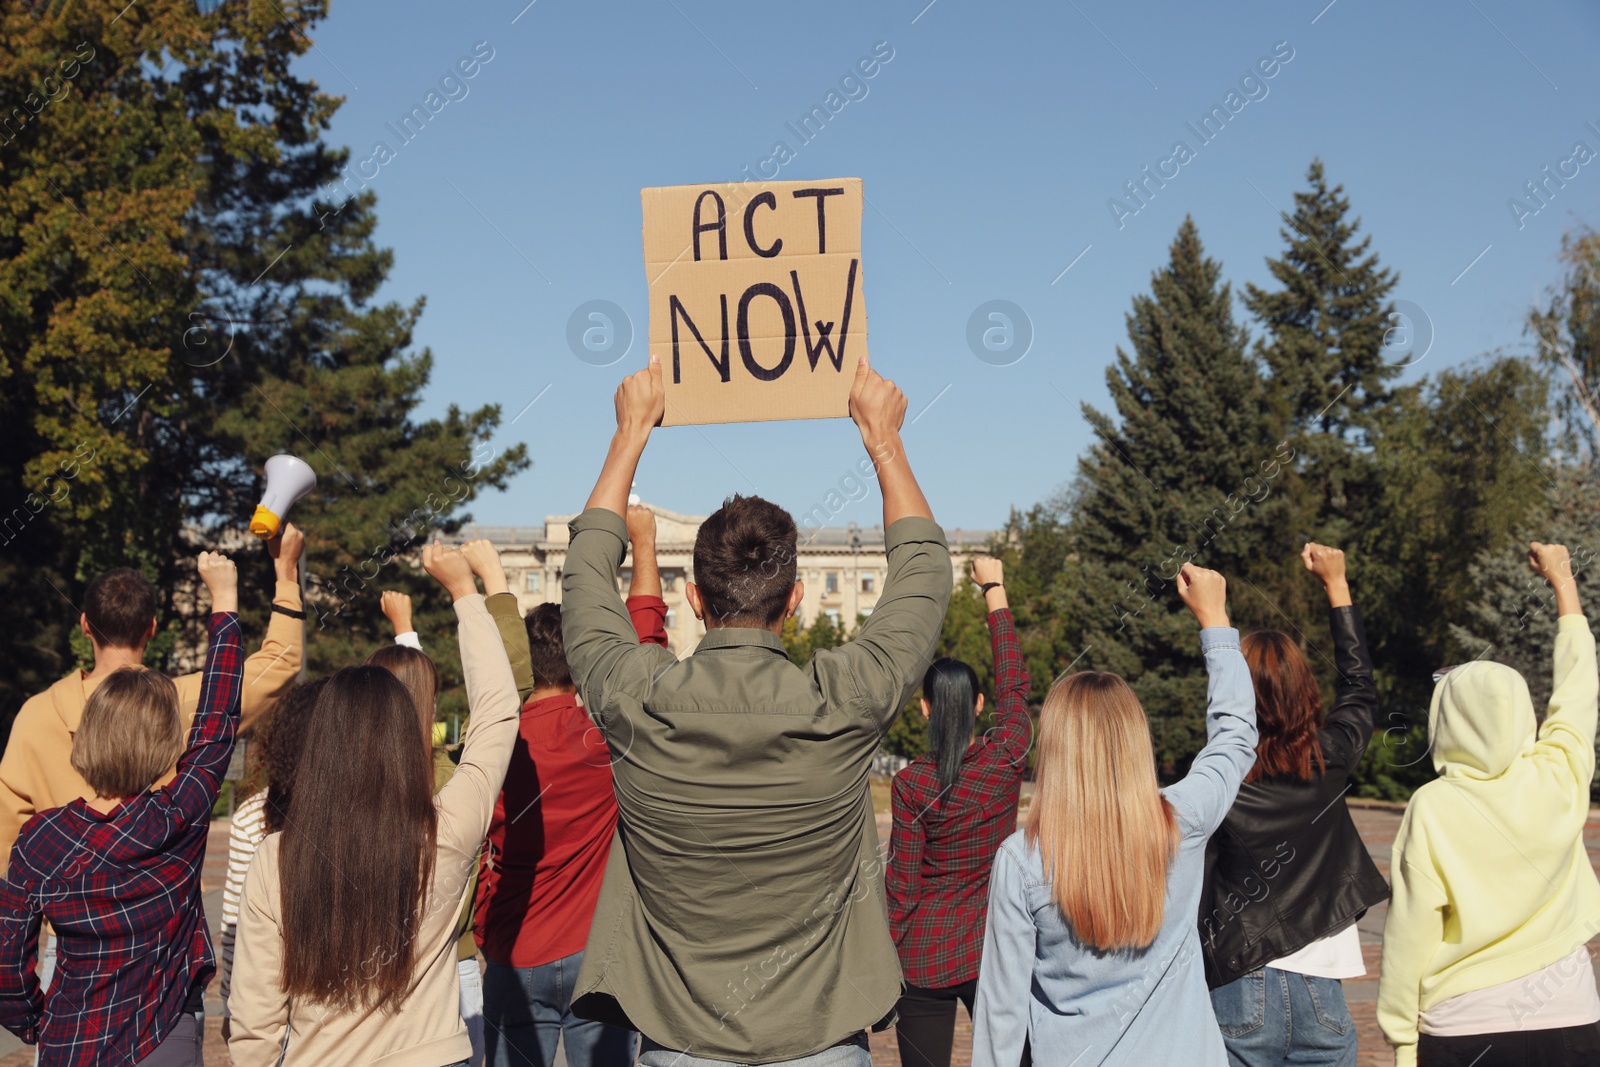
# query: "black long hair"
{"type": "Point", "coordinates": [951, 689]}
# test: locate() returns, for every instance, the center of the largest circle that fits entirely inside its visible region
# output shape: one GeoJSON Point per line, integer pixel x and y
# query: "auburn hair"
{"type": "Point", "coordinates": [357, 854]}
{"type": "Point", "coordinates": [1106, 834]}
{"type": "Point", "coordinates": [1288, 708]}
{"type": "Point", "coordinates": [417, 673]}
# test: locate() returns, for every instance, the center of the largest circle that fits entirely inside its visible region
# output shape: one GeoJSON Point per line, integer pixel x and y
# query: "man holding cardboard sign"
{"type": "Point", "coordinates": [756, 310]}
{"type": "Point", "coordinates": [742, 915]}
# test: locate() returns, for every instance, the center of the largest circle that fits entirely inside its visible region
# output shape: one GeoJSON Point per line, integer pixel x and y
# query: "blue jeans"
{"type": "Point", "coordinates": [526, 1009]}
{"type": "Point", "coordinates": [852, 1053]}
{"type": "Point", "coordinates": [1271, 1017]}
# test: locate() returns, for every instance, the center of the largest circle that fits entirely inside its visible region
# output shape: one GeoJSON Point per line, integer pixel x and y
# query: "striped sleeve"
{"type": "Point", "coordinates": [245, 834]}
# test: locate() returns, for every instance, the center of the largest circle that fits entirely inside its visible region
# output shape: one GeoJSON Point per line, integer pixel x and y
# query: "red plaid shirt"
{"type": "Point", "coordinates": [123, 894]}
{"type": "Point", "coordinates": [942, 848]}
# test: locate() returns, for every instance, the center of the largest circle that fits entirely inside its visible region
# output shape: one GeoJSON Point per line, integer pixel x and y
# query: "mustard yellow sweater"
{"type": "Point", "coordinates": [1491, 880]}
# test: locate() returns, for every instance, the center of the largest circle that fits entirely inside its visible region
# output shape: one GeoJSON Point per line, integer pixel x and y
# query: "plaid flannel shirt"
{"type": "Point", "coordinates": [943, 847]}
{"type": "Point", "coordinates": [123, 894]}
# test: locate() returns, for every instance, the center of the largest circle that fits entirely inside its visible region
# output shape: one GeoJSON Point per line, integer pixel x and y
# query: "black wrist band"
{"type": "Point", "coordinates": [293, 614]}
{"type": "Point", "coordinates": [986, 586]}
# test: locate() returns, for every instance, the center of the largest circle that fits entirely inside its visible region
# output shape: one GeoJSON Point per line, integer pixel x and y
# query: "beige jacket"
{"type": "Point", "coordinates": [427, 1030]}
{"type": "Point", "coordinates": [36, 771]}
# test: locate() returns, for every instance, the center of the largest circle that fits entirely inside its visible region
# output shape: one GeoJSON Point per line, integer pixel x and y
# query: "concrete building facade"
{"type": "Point", "coordinates": [843, 567]}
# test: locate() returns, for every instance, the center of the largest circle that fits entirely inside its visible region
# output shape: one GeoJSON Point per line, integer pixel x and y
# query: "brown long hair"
{"type": "Point", "coordinates": [356, 857]}
{"type": "Point", "coordinates": [1105, 832]}
{"type": "Point", "coordinates": [1288, 708]}
{"type": "Point", "coordinates": [417, 673]}
{"type": "Point", "coordinates": [277, 748]}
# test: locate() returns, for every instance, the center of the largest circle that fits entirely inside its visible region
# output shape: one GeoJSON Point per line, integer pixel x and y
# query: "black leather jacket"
{"type": "Point", "coordinates": [1286, 867]}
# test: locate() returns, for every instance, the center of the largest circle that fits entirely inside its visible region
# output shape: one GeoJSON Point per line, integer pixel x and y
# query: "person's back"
{"type": "Point", "coordinates": [952, 808]}
{"type": "Point", "coordinates": [118, 876]}
{"type": "Point", "coordinates": [1494, 894]}
{"type": "Point", "coordinates": [119, 619]}
{"type": "Point", "coordinates": [1287, 874]}
{"type": "Point", "coordinates": [742, 916]}
{"type": "Point", "coordinates": [1091, 953]}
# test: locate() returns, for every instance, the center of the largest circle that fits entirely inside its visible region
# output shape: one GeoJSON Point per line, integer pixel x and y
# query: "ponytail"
{"type": "Point", "coordinates": [951, 689]}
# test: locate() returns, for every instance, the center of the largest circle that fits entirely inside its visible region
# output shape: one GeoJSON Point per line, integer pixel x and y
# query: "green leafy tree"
{"type": "Point", "coordinates": [189, 288]}
{"type": "Point", "coordinates": [1567, 334]}
{"type": "Point", "coordinates": [1173, 477]}
{"type": "Point", "coordinates": [1461, 460]}
{"type": "Point", "coordinates": [1512, 617]}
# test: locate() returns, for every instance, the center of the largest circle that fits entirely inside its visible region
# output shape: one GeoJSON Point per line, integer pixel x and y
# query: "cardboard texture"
{"type": "Point", "coordinates": [756, 307]}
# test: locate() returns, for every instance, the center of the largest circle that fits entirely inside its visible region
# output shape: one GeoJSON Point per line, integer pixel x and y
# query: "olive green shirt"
{"type": "Point", "coordinates": [742, 915]}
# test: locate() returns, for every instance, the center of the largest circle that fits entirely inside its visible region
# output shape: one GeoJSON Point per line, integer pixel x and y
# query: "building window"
{"type": "Point", "coordinates": [869, 583]}
{"type": "Point", "coordinates": [672, 619]}
{"type": "Point", "coordinates": [669, 581]}
{"type": "Point", "coordinates": [833, 617]}
{"type": "Point", "coordinates": [830, 583]}
{"type": "Point", "coordinates": [533, 582]}
{"type": "Point", "coordinates": [865, 612]}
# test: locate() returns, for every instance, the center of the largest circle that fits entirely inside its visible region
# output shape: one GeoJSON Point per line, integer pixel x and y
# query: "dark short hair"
{"type": "Point", "coordinates": [545, 648]}
{"type": "Point", "coordinates": [744, 562]}
{"type": "Point", "coordinates": [120, 605]}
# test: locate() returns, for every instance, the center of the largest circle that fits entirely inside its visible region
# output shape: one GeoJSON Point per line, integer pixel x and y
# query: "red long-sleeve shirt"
{"type": "Point", "coordinates": [552, 827]}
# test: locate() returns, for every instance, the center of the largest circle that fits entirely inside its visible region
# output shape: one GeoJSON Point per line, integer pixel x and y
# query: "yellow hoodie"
{"type": "Point", "coordinates": [1491, 879]}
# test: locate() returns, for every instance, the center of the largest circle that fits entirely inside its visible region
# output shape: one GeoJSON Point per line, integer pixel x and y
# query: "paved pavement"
{"type": "Point", "coordinates": [1377, 826]}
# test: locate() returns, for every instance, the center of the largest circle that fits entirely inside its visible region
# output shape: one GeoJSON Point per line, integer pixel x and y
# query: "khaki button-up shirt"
{"type": "Point", "coordinates": [742, 915]}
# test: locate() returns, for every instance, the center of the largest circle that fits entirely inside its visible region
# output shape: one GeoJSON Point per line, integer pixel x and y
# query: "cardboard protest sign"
{"type": "Point", "coordinates": [756, 308]}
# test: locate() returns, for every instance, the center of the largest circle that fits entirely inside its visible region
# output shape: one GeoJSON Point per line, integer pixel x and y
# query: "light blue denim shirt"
{"type": "Point", "coordinates": [1146, 1008]}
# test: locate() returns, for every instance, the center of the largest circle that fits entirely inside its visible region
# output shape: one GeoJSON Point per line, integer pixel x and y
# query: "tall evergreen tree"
{"type": "Point", "coordinates": [1327, 382]}
{"type": "Point", "coordinates": [1174, 476]}
{"type": "Point", "coordinates": [1323, 344]}
{"type": "Point", "coordinates": [188, 291]}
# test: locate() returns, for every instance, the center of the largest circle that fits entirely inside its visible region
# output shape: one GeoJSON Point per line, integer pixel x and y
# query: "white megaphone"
{"type": "Point", "coordinates": [288, 479]}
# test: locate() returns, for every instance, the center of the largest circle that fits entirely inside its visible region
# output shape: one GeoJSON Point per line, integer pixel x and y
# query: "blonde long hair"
{"type": "Point", "coordinates": [1105, 832]}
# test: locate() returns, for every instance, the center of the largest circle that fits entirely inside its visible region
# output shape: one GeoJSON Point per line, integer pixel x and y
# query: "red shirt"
{"type": "Point", "coordinates": [552, 827]}
{"type": "Point", "coordinates": [942, 847]}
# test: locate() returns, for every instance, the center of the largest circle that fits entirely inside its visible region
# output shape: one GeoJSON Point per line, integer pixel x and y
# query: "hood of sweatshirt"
{"type": "Point", "coordinates": [68, 697]}
{"type": "Point", "coordinates": [1480, 721]}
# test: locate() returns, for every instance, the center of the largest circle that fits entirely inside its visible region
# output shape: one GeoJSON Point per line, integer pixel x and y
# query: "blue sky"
{"type": "Point", "coordinates": [989, 145]}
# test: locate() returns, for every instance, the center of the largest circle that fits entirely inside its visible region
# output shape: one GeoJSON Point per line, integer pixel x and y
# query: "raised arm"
{"type": "Point", "coordinates": [879, 408]}
{"type": "Point", "coordinates": [467, 800]}
{"type": "Point", "coordinates": [888, 656]}
{"type": "Point", "coordinates": [645, 606]}
{"type": "Point", "coordinates": [193, 793]}
{"type": "Point", "coordinates": [640, 403]}
{"type": "Point", "coordinates": [1012, 734]}
{"type": "Point", "coordinates": [484, 559]}
{"type": "Point", "coordinates": [396, 607]}
{"type": "Point", "coordinates": [902, 878]}
{"type": "Point", "coordinates": [1355, 704]}
{"type": "Point", "coordinates": [275, 666]}
{"type": "Point", "coordinates": [1207, 791]}
{"type": "Point", "coordinates": [1568, 732]}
